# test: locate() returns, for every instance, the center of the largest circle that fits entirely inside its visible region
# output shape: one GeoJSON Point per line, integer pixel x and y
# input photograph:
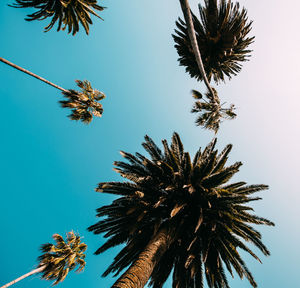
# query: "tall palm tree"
{"type": "Point", "coordinates": [84, 103]}
{"type": "Point", "coordinates": [68, 13]}
{"type": "Point", "coordinates": [179, 213]}
{"type": "Point", "coordinates": [221, 35]}
{"type": "Point", "coordinates": [59, 259]}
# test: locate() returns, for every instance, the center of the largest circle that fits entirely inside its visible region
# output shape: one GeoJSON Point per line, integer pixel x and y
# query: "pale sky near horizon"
{"type": "Point", "coordinates": [51, 165]}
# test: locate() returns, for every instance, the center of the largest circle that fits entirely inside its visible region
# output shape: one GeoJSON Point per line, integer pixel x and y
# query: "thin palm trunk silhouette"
{"type": "Point", "coordinates": [34, 271]}
{"type": "Point", "coordinates": [32, 74]}
{"type": "Point", "coordinates": [185, 7]}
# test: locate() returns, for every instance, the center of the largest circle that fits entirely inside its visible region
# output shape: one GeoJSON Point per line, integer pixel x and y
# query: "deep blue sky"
{"type": "Point", "coordinates": [51, 165]}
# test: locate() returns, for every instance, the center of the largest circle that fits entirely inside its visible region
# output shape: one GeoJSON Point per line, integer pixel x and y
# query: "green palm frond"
{"type": "Point", "coordinates": [222, 36]}
{"type": "Point", "coordinates": [68, 13]}
{"type": "Point", "coordinates": [60, 258]}
{"type": "Point", "coordinates": [209, 216]}
{"type": "Point", "coordinates": [84, 104]}
{"type": "Point", "coordinates": [210, 110]}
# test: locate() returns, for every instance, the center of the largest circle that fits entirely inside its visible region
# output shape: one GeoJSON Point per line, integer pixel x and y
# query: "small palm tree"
{"type": "Point", "coordinates": [68, 13]}
{"type": "Point", "coordinates": [211, 111]}
{"type": "Point", "coordinates": [222, 37]}
{"type": "Point", "coordinates": [84, 103]}
{"type": "Point", "coordinates": [59, 259]}
{"type": "Point", "coordinates": [179, 214]}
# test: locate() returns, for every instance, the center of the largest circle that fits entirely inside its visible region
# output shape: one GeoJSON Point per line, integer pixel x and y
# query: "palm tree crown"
{"type": "Point", "coordinates": [62, 257]}
{"type": "Point", "coordinates": [208, 218]}
{"type": "Point", "coordinates": [221, 34]}
{"type": "Point", "coordinates": [211, 111]}
{"type": "Point", "coordinates": [67, 12]}
{"type": "Point", "coordinates": [84, 104]}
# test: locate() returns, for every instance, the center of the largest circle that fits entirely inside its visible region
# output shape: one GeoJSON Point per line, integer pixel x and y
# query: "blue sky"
{"type": "Point", "coordinates": [51, 165]}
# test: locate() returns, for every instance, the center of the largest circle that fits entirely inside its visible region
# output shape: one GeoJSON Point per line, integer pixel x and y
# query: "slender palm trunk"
{"type": "Point", "coordinates": [37, 270]}
{"type": "Point", "coordinates": [138, 274]}
{"type": "Point", "coordinates": [191, 31]}
{"type": "Point", "coordinates": [31, 74]}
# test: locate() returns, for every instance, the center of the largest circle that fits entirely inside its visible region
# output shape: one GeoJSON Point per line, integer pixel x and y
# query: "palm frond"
{"type": "Point", "coordinates": [68, 13]}
{"type": "Point", "coordinates": [62, 257]}
{"type": "Point", "coordinates": [84, 104]}
{"type": "Point", "coordinates": [211, 111]}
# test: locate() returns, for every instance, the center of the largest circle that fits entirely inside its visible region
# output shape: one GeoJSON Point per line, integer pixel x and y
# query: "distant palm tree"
{"type": "Point", "coordinates": [221, 35]}
{"type": "Point", "coordinates": [211, 112]}
{"type": "Point", "coordinates": [84, 104]}
{"type": "Point", "coordinates": [57, 260]}
{"type": "Point", "coordinates": [175, 213]}
{"type": "Point", "coordinates": [68, 13]}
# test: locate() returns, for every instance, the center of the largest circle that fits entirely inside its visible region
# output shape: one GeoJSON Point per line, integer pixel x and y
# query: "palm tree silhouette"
{"type": "Point", "coordinates": [210, 111]}
{"type": "Point", "coordinates": [221, 36]}
{"type": "Point", "coordinates": [68, 13]}
{"type": "Point", "coordinates": [84, 104]}
{"type": "Point", "coordinates": [59, 259]}
{"type": "Point", "coordinates": [181, 214]}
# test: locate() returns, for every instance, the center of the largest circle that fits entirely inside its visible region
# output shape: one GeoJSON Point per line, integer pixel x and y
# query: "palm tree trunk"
{"type": "Point", "coordinates": [37, 270]}
{"type": "Point", "coordinates": [31, 74]}
{"type": "Point", "coordinates": [138, 274]}
{"type": "Point", "coordinates": [191, 31]}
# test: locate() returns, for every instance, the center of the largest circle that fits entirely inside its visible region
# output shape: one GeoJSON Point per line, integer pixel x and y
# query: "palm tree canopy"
{"type": "Point", "coordinates": [68, 13]}
{"type": "Point", "coordinates": [84, 103]}
{"type": "Point", "coordinates": [62, 257]}
{"type": "Point", "coordinates": [211, 111]}
{"type": "Point", "coordinates": [221, 34]}
{"type": "Point", "coordinates": [210, 217]}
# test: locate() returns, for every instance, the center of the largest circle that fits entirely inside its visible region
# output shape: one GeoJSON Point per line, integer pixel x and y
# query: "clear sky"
{"type": "Point", "coordinates": [51, 165]}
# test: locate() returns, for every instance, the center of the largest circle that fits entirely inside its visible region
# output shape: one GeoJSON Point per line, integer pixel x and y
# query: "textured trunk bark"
{"type": "Point", "coordinates": [31, 74]}
{"type": "Point", "coordinates": [138, 274]}
{"type": "Point", "coordinates": [40, 269]}
{"type": "Point", "coordinates": [185, 7]}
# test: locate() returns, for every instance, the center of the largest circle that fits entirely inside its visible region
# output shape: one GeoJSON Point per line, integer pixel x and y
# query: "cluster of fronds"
{"type": "Point", "coordinates": [211, 111]}
{"type": "Point", "coordinates": [62, 257]}
{"type": "Point", "coordinates": [84, 104]}
{"type": "Point", "coordinates": [68, 13]}
{"type": "Point", "coordinates": [221, 34]}
{"type": "Point", "coordinates": [210, 217]}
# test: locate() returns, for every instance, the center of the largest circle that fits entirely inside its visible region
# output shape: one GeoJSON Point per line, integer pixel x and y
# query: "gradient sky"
{"type": "Point", "coordinates": [51, 165]}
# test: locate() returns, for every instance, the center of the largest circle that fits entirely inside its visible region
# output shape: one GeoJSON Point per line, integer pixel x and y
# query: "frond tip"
{"type": "Point", "coordinates": [208, 217]}
{"type": "Point", "coordinates": [84, 104]}
{"type": "Point", "coordinates": [68, 13]}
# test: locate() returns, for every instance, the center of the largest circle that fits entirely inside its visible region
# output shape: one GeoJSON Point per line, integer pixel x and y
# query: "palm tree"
{"type": "Point", "coordinates": [59, 259]}
{"type": "Point", "coordinates": [211, 111]}
{"type": "Point", "coordinates": [68, 13]}
{"type": "Point", "coordinates": [221, 35]}
{"type": "Point", "coordinates": [84, 103]}
{"type": "Point", "coordinates": [175, 213]}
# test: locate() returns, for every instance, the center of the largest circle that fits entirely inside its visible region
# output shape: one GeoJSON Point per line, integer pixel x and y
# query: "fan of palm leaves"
{"type": "Point", "coordinates": [68, 13]}
{"type": "Point", "coordinates": [208, 216]}
{"type": "Point", "coordinates": [84, 104]}
{"type": "Point", "coordinates": [211, 111]}
{"type": "Point", "coordinates": [62, 257]}
{"type": "Point", "coordinates": [221, 34]}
